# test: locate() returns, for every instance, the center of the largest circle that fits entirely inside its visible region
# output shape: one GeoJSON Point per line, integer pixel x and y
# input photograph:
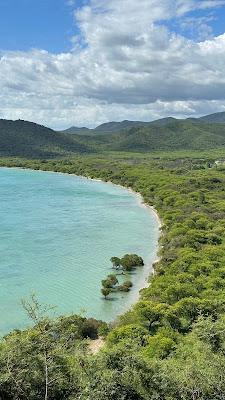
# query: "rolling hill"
{"type": "Point", "coordinates": [175, 135]}
{"type": "Point", "coordinates": [217, 118]}
{"type": "Point", "coordinates": [113, 127]}
{"type": "Point", "coordinates": [109, 127]}
{"type": "Point", "coordinates": [27, 139]}
{"type": "Point", "coordinates": [30, 140]}
{"type": "Point", "coordinates": [73, 130]}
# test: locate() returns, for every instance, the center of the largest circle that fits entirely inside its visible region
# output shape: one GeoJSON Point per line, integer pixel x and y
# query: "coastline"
{"type": "Point", "coordinates": [149, 269]}
{"type": "Point", "coordinates": [137, 194]}
{"type": "Point", "coordinates": [149, 266]}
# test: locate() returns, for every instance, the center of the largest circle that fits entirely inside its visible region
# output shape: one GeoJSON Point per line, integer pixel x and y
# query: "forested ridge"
{"type": "Point", "coordinates": [112, 127]}
{"type": "Point", "coordinates": [171, 344]}
{"type": "Point", "coordinates": [29, 140]}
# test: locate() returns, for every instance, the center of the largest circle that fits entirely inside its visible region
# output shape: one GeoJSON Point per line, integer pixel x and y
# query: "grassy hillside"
{"type": "Point", "coordinates": [26, 139]}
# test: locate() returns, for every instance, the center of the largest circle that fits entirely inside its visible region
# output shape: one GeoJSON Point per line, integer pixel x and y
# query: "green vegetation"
{"type": "Point", "coordinates": [218, 118]}
{"type": "Point", "coordinates": [115, 262]}
{"type": "Point", "coordinates": [111, 284]}
{"type": "Point", "coordinates": [131, 261]}
{"type": "Point", "coordinates": [105, 291]}
{"type": "Point", "coordinates": [170, 344]}
{"type": "Point", "coordinates": [45, 361]}
{"type": "Point", "coordinates": [29, 140]}
{"type": "Point", "coordinates": [175, 135]}
{"type": "Point", "coordinates": [127, 263]}
{"type": "Point", "coordinates": [113, 127]}
{"type": "Point", "coordinates": [126, 286]}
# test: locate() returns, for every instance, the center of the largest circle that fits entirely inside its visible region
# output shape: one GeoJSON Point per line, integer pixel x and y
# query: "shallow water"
{"type": "Point", "coordinates": [57, 235]}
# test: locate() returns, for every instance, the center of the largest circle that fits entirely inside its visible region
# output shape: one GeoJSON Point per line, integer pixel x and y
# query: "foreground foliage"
{"type": "Point", "coordinates": [171, 344]}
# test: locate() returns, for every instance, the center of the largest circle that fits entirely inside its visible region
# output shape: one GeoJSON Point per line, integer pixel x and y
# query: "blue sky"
{"type": "Point", "coordinates": [50, 24]}
{"type": "Point", "coordinates": [199, 24]}
{"type": "Point", "coordinates": [218, 24]}
{"type": "Point", "coordinates": [42, 24]}
{"type": "Point", "coordinates": [135, 59]}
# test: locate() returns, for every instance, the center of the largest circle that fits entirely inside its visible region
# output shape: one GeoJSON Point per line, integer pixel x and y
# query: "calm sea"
{"type": "Point", "coordinates": [57, 235]}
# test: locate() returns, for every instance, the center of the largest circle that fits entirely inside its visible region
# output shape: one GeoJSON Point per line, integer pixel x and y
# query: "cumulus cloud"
{"type": "Point", "coordinates": [125, 63]}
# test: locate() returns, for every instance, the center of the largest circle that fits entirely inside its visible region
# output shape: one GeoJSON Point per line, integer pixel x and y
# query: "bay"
{"type": "Point", "coordinates": [57, 235]}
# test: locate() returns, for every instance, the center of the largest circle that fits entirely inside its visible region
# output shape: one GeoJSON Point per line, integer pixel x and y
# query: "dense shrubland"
{"type": "Point", "coordinates": [171, 344]}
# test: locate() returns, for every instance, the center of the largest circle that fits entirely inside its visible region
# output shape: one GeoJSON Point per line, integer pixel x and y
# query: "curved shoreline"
{"type": "Point", "coordinates": [149, 270]}
{"type": "Point", "coordinates": [138, 195]}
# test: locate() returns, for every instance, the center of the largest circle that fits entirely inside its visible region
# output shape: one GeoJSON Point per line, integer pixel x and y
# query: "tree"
{"type": "Point", "coordinates": [39, 316]}
{"type": "Point", "coordinates": [105, 291]}
{"type": "Point", "coordinates": [115, 262]}
{"type": "Point", "coordinates": [110, 281]}
{"type": "Point", "coordinates": [130, 261]}
{"type": "Point", "coordinates": [128, 284]}
{"type": "Point", "coordinates": [152, 312]}
{"type": "Point", "coordinates": [125, 287]}
{"type": "Point", "coordinates": [106, 283]}
{"type": "Point", "coordinates": [35, 362]}
{"type": "Point", "coordinates": [113, 279]}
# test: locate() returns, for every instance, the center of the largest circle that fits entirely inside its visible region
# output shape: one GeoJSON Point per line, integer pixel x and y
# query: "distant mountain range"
{"type": "Point", "coordinates": [112, 127]}
{"type": "Point", "coordinates": [30, 140]}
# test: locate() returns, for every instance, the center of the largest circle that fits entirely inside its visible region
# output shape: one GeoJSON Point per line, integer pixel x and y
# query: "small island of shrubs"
{"type": "Point", "coordinates": [125, 264]}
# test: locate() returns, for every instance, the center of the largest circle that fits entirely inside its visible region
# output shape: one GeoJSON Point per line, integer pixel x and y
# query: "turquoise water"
{"type": "Point", "coordinates": [57, 235]}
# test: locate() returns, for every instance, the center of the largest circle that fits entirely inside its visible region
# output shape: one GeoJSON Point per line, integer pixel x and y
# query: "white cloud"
{"type": "Point", "coordinates": [129, 66]}
{"type": "Point", "coordinates": [184, 6]}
